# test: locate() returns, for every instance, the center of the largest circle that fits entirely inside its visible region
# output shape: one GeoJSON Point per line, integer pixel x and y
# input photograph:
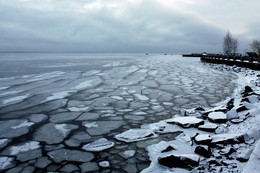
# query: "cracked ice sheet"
{"type": "Point", "coordinates": [59, 95]}
{"type": "Point", "coordinates": [62, 129]}
{"type": "Point", "coordinates": [83, 85]}
{"type": "Point", "coordinates": [46, 76]}
{"type": "Point", "coordinates": [5, 162]}
{"type": "Point", "coordinates": [14, 150]}
{"type": "Point", "coordinates": [23, 124]}
{"type": "Point", "coordinates": [16, 99]}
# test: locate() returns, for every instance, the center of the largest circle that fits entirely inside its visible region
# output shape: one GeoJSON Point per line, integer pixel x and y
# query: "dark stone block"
{"type": "Point", "coordinates": [169, 148]}
{"type": "Point", "coordinates": [179, 161]}
{"type": "Point", "coordinates": [203, 151]}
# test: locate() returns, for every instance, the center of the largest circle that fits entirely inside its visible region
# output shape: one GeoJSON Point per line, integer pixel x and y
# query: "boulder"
{"type": "Point", "coordinates": [204, 151]}
{"type": "Point", "coordinates": [217, 117]}
{"type": "Point", "coordinates": [209, 127]}
{"type": "Point", "coordinates": [227, 138]}
{"type": "Point", "coordinates": [203, 139]}
{"type": "Point", "coordinates": [186, 161]}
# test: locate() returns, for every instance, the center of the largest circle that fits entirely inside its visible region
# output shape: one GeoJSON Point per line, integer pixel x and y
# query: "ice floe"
{"type": "Point", "coordinates": [186, 121]}
{"type": "Point", "coordinates": [98, 145]}
{"type": "Point", "coordinates": [132, 135]}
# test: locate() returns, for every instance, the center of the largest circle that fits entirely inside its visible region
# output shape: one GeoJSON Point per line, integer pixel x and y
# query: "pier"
{"type": "Point", "coordinates": [251, 60]}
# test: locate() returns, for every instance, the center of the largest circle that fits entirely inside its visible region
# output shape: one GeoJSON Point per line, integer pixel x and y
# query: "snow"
{"type": "Point", "coordinates": [253, 164]}
{"type": "Point", "coordinates": [202, 137]}
{"type": "Point", "coordinates": [185, 121]}
{"type": "Point", "coordinates": [217, 115]}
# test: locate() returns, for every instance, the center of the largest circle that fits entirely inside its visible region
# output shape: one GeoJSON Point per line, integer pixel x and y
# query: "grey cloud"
{"type": "Point", "coordinates": [146, 27]}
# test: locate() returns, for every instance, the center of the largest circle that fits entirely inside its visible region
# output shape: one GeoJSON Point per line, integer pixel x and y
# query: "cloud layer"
{"type": "Point", "coordinates": [125, 25]}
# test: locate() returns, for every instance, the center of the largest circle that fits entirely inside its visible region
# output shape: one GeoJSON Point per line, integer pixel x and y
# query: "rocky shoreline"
{"type": "Point", "coordinates": [213, 140]}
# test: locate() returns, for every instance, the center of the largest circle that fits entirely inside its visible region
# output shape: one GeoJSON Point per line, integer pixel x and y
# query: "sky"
{"type": "Point", "coordinates": [127, 26]}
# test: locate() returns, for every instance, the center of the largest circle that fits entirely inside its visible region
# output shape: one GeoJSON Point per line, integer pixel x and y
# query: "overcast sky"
{"type": "Point", "coordinates": [173, 26]}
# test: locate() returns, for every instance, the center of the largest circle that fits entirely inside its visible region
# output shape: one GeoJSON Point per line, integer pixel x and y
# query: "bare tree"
{"type": "Point", "coordinates": [234, 46]}
{"type": "Point", "coordinates": [255, 46]}
{"type": "Point", "coordinates": [230, 44]}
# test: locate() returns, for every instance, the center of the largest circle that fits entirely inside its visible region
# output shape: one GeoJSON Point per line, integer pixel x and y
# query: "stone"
{"type": "Point", "coordinates": [186, 161]}
{"type": "Point", "coordinates": [169, 148]}
{"type": "Point", "coordinates": [247, 91]}
{"type": "Point", "coordinates": [227, 139]}
{"type": "Point", "coordinates": [217, 117]}
{"type": "Point", "coordinates": [209, 127]}
{"type": "Point", "coordinates": [203, 139]}
{"type": "Point", "coordinates": [204, 151]}
{"type": "Point", "coordinates": [244, 155]}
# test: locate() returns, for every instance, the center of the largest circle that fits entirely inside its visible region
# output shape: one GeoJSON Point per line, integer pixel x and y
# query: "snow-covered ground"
{"type": "Point", "coordinates": [228, 141]}
{"type": "Point", "coordinates": [116, 113]}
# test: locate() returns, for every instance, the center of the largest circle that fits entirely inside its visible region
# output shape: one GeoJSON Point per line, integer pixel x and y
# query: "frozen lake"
{"type": "Point", "coordinates": [52, 105]}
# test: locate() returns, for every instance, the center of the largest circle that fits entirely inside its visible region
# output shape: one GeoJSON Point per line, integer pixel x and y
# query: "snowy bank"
{"type": "Point", "coordinates": [219, 139]}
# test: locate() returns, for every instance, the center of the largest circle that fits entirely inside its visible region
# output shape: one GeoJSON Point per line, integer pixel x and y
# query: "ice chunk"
{"type": "Point", "coordinates": [135, 135]}
{"type": "Point", "coordinates": [98, 145]}
{"type": "Point", "coordinates": [78, 109]}
{"type": "Point", "coordinates": [186, 121]}
{"type": "Point", "coordinates": [5, 162]}
{"type": "Point", "coordinates": [24, 148]}
{"type": "Point", "coordinates": [23, 124]}
{"type": "Point", "coordinates": [141, 97]}
{"type": "Point", "coordinates": [59, 95]}
{"type": "Point", "coordinates": [16, 99]}
{"type": "Point", "coordinates": [83, 85]}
